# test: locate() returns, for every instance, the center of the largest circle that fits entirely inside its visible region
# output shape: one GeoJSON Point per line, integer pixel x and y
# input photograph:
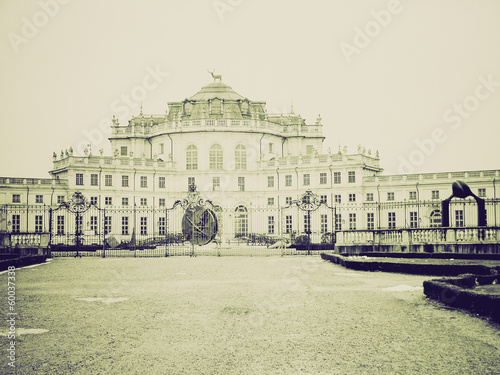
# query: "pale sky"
{"type": "Point", "coordinates": [417, 80]}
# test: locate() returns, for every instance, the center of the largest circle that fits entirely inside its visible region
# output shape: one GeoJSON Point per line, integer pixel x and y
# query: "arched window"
{"type": "Point", "coordinates": [240, 157]}
{"type": "Point", "coordinates": [216, 157]}
{"type": "Point", "coordinates": [435, 218]}
{"type": "Point", "coordinates": [240, 221]}
{"type": "Point", "coordinates": [192, 157]}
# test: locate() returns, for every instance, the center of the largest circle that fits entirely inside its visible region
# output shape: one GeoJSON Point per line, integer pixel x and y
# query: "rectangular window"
{"type": "Point", "coordinates": [481, 193]}
{"type": "Point", "coordinates": [38, 223]}
{"type": "Point", "coordinates": [271, 148]}
{"type": "Point", "coordinates": [369, 197]}
{"type": "Point", "coordinates": [270, 201]}
{"type": "Point", "coordinates": [307, 224]}
{"type": "Point", "coordinates": [144, 226]}
{"type": "Point", "coordinates": [459, 218]}
{"type": "Point", "coordinates": [215, 183]}
{"type": "Point", "coordinates": [162, 148]}
{"type": "Point", "coordinates": [288, 180]}
{"type": "Point", "coordinates": [413, 219]}
{"type": "Point", "coordinates": [270, 224]}
{"type": "Point", "coordinates": [161, 182]}
{"type": "Point", "coordinates": [108, 180]}
{"type": "Point", "coordinates": [124, 225]}
{"type": "Point", "coordinates": [338, 198]}
{"type": "Point", "coordinates": [337, 178]}
{"type": "Point", "coordinates": [93, 200]}
{"type": "Point", "coordinates": [161, 226]}
{"type": "Point", "coordinates": [324, 223]}
{"type": "Point", "coordinates": [191, 181]}
{"type": "Point", "coordinates": [309, 149]}
{"type": "Point", "coordinates": [124, 181]}
{"type": "Point", "coordinates": [352, 221]}
{"type": "Point", "coordinates": [241, 183]}
{"type": "Point", "coordinates": [16, 198]}
{"type": "Point", "coordinates": [338, 221]}
{"type": "Point", "coordinates": [39, 198]}
{"type": "Point", "coordinates": [370, 220]}
{"type": "Point", "coordinates": [124, 201]}
{"type": "Point", "coordinates": [307, 179]}
{"type": "Point", "coordinates": [94, 179]}
{"type": "Point", "coordinates": [390, 196]}
{"type": "Point", "coordinates": [144, 181]}
{"type": "Point", "coordinates": [161, 202]}
{"type": "Point", "coordinates": [435, 194]}
{"type": "Point", "coordinates": [391, 219]}
{"type": "Point", "coordinates": [351, 176]}
{"type": "Point", "coordinates": [93, 224]}
{"type": "Point", "coordinates": [79, 179]}
{"type": "Point", "coordinates": [322, 178]}
{"type": "Point", "coordinates": [323, 199]}
{"type": "Point", "coordinates": [144, 201]}
{"type": "Point", "coordinates": [107, 224]}
{"type": "Point", "coordinates": [215, 157]}
{"type": "Point", "coordinates": [288, 201]}
{"type": "Point", "coordinates": [108, 200]}
{"type": "Point", "coordinates": [270, 181]}
{"type": "Point", "coordinates": [352, 197]}
{"type": "Point", "coordinates": [288, 223]}
{"type": "Point", "coordinates": [60, 199]}
{"type": "Point", "coordinates": [123, 151]}
{"type": "Point", "coordinates": [60, 225]}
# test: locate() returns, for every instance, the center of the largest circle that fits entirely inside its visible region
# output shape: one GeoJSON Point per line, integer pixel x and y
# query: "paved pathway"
{"type": "Point", "coordinates": [237, 315]}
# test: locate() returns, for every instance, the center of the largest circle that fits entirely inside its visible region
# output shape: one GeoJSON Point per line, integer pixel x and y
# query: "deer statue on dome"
{"type": "Point", "coordinates": [215, 76]}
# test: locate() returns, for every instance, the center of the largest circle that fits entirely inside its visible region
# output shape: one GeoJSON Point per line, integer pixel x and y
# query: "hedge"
{"type": "Point", "coordinates": [22, 261]}
{"type": "Point", "coordinates": [459, 292]}
{"type": "Point", "coordinates": [410, 268]}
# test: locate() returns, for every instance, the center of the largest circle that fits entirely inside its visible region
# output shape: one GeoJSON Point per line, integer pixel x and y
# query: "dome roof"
{"type": "Point", "coordinates": [216, 90]}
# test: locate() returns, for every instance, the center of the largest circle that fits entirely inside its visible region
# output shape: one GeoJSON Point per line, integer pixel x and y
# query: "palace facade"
{"type": "Point", "coordinates": [251, 164]}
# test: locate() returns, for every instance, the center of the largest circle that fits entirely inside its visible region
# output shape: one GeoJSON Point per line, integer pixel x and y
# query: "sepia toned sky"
{"type": "Point", "coordinates": [417, 80]}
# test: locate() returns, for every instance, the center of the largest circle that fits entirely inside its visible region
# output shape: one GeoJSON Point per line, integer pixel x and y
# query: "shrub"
{"type": "Point", "coordinates": [302, 240]}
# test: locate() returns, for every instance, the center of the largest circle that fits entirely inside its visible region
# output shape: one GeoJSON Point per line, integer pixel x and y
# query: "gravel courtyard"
{"type": "Point", "coordinates": [236, 315]}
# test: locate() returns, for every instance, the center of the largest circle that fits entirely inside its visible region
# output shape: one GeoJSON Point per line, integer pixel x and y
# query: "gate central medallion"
{"type": "Point", "coordinates": [199, 225]}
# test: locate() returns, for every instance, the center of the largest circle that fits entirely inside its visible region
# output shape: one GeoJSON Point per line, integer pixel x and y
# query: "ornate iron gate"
{"type": "Point", "coordinates": [77, 225]}
{"type": "Point", "coordinates": [318, 222]}
{"type": "Point", "coordinates": [199, 221]}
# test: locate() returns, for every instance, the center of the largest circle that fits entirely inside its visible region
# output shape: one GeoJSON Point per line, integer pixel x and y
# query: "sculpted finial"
{"type": "Point", "coordinates": [215, 76]}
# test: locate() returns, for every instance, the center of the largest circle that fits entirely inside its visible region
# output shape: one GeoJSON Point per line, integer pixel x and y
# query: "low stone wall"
{"type": "Point", "coordinates": [458, 292]}
{"type": "Point", "coordinates": [455, 248]}
{"type": "Point", "coordinates": [430, 255]}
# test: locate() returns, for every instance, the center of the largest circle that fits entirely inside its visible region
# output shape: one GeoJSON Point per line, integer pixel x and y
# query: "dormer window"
{"type": "Point", "coordinates": [244, 107]}
{"type": "Point", "coordinates": [187, 108]}
{"type": "Point", "coordinates": [215, 106]}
